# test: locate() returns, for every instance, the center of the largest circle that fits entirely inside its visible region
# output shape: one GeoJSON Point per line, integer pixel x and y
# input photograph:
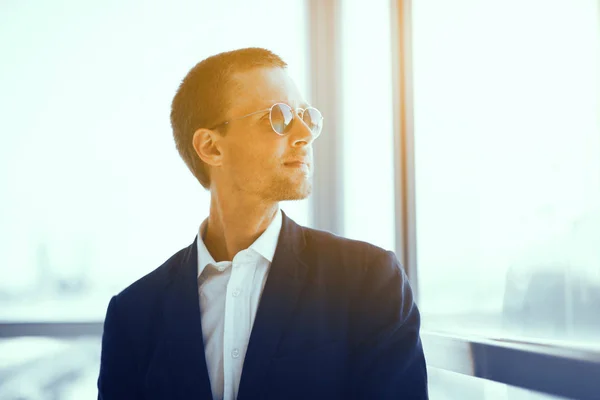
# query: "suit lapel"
{"type": "Point", "coordinates": [281, 292]}
{"type": "Point", "coordinates": [183, 330]}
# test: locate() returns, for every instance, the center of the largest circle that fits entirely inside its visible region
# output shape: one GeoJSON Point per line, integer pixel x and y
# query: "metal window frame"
{"type": "Point", "coordinates": [553, 370]}
{"type": "Point", "coordinates": [62, 330]}
{"type": "Point", "coordinates": [404, 154]}
{"type": "Point", "coordinates": [327, 211]}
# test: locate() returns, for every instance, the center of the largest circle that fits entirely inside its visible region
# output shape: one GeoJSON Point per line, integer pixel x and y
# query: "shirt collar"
{"type": "Point", "coordinates": [265, 245]}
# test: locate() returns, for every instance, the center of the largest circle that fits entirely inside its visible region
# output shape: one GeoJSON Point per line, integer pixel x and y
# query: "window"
{"type": "Point", "coordinates": [507, 160]}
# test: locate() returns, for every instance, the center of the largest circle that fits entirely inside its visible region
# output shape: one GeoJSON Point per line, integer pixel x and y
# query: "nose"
{"type": "Point", "coordinates": [300, 134]}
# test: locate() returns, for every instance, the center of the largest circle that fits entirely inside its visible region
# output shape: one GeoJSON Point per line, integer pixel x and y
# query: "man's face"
{"type": "Point", "coordinates": [253, 155]}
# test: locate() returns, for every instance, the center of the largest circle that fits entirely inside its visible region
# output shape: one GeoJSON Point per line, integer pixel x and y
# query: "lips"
{"type": "Point", "coordinates": [296, 161]}
{"type": "Point", "coordinates": [298, 166]}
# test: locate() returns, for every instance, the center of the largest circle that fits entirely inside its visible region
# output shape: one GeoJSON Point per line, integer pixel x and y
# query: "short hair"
{"type": "Point", "coordinates": [202, 99]}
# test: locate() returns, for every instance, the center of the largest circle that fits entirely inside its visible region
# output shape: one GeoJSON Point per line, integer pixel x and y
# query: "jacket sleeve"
{"type": "Point", "coordinates": [387, 360]}
{"type": "Point", "coordinates": [118, 368]}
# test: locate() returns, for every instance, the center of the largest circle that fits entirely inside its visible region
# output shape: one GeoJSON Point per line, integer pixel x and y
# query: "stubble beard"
{"type": "Point", "coordinates": [286, 189]}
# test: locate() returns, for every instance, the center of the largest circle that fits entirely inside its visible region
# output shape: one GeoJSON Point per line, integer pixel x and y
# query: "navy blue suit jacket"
{"type": "Point", "coordinates": [336, 320]}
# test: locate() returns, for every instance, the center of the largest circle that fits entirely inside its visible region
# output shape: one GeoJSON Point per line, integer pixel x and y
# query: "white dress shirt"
{"type": "Point", "coordinates": [229, 295]}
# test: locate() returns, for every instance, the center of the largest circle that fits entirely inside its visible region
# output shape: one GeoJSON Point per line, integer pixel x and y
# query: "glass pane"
{"type": "Point", "coordinates": [94, 194]}
{"type": "Point", "coordinates": [508, 167]}
{"type": "Point", "coordinates": [367, 122]}
{"type": "Point", "coordinates": [44, 368]}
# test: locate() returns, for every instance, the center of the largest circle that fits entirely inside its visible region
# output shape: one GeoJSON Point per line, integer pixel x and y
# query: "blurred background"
{"type": "Point", "coordinates": [504, 144]}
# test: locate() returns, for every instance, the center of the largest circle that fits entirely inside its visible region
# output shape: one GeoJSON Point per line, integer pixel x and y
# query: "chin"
{"type": "Point", "coordinates": [292, 191]}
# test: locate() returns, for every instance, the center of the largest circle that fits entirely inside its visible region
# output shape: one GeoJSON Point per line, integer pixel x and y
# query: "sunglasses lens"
{"type": "Point", "coordinates": [313, 118]}
{"type": "Point", "coordinates": [281, 117]}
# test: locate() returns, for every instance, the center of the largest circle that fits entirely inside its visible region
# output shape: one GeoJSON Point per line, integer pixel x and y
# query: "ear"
{"type": "Point", "coordinates": [207, 146]}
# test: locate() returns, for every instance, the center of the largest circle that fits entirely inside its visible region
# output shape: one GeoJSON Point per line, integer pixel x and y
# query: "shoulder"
{"type": "Point", "coordinates": [349, 254]}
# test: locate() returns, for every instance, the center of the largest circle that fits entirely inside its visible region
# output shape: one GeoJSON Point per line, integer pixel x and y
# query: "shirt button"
{"type": "Point", "coordinates": [235, 353]}
{"type": "Point", "coordinates": [236, 292]}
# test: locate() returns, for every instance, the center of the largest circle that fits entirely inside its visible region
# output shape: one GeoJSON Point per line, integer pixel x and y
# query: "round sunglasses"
{"type": "Point", "coordinates": [281, 116]}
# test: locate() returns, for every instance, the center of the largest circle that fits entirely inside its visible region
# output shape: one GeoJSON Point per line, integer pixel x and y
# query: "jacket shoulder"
{"type": "Point", "coordinates": [154, 279]}
{"type": "Point", "coordinates": [138, 300]}
{"type": "Point", "coordinates": [339, 250]}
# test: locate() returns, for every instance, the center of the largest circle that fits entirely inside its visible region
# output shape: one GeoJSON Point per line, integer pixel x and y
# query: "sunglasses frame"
{"type": "Point", "coordinates": [270, 109]}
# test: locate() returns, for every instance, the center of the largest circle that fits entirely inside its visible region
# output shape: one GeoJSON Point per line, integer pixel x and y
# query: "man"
{"type": "Point", "coordinates": [258, 307]}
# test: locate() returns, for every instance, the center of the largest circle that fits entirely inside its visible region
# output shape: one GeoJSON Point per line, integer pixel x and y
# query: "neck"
{"type": "Point", "coordinates": [233, 225]}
